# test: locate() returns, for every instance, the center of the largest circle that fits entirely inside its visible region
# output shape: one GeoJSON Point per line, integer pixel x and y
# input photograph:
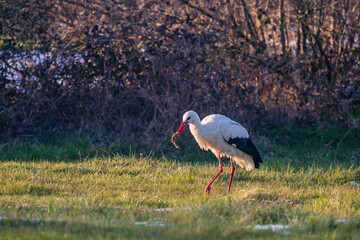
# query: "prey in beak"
{"type": "Point", "coordinates": [176, 135]}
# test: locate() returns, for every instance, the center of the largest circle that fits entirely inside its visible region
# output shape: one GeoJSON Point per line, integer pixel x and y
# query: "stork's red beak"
{"type": "Point", "coordinates": [182, 126]}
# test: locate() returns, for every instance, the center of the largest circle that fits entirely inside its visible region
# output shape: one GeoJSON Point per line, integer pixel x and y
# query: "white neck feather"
{"type": "Point", "coordinates": [198, 131]}
{"type": "Point", "coordinates": [196, 123]}
{"type": "Point", "coordinates": [196, 126]}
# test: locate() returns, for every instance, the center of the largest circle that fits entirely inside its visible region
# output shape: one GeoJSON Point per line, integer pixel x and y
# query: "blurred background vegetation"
{"type": "Point", "coordinates": [133, 67]}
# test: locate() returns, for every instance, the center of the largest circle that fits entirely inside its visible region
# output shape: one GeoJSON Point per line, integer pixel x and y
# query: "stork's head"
{"type": "Point", "coordinates": [189, 117]}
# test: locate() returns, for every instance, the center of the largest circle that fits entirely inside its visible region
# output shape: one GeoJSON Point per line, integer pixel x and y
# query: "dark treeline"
{"type": "Point", "coordinates": [133, 67]}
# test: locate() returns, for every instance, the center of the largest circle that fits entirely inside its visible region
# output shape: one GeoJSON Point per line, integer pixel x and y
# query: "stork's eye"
{"type": "Point", "coordinates": [188, 119]}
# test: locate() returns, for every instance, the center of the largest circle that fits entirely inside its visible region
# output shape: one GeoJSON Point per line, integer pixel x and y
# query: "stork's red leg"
{"type": "Point", "coordinates": [232, 173]}
{"type": "Point", "coordinates": [207, 189]}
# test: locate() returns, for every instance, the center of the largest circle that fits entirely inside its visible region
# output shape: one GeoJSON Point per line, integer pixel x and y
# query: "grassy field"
{"type": "Point", "coordinates": [72, 188]}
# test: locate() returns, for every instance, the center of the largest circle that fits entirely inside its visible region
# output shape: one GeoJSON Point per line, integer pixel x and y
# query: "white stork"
{"type": "Point", "coordinates": [225, 138]}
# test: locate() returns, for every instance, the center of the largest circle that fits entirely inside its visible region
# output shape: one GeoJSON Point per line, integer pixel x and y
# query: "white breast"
{"type": "Point", "coordinates": [199, 138]}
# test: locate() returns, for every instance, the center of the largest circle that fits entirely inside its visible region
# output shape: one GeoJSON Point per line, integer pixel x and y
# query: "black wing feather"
{"type": "Point", "coordinates": [248, 147]}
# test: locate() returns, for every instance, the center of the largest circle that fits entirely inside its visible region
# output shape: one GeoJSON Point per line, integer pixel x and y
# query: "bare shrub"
{"type": "Point", "coordinates": [133, 67]}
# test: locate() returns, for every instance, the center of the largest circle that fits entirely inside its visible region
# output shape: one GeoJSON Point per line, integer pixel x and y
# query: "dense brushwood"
{"type": "Point", "coordinates": [133, 67]}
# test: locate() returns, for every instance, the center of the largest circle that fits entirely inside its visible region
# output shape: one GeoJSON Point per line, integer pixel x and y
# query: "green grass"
{"type": "Point", "coordinates": [71, 188]}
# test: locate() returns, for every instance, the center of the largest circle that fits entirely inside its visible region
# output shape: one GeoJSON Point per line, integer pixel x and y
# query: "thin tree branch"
{"type": "Point", "coordinates": [201, 10]}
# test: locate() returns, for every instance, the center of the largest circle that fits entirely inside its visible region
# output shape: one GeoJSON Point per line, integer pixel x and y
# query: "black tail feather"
{"type": "Point", "coordinates": [248, 147]}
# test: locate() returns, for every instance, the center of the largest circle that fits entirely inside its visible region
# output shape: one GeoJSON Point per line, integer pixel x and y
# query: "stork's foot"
{"type": "Point", "coordinates": [207, 190]}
